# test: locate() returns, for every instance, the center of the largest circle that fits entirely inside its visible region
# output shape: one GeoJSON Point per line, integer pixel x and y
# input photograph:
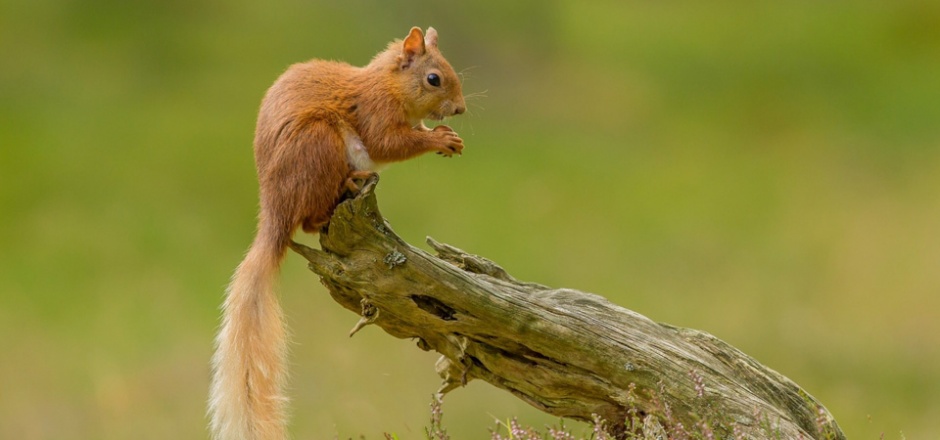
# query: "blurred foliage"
{"type": "Point", "coordinates": [767, 172]}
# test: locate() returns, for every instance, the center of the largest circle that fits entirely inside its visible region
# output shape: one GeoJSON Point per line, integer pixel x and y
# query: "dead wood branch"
{"type": "Point", "coordinates": [568, 353]}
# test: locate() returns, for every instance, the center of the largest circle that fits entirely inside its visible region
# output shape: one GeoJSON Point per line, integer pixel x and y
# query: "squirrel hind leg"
{"type": "Point", "coordinates": [313, 226]}
{"type": "Point", "coordinates": [351, 189]}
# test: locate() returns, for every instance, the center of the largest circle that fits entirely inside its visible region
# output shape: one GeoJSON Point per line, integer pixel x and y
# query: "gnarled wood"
{"type": "Point", "coordinates": [569, 353]}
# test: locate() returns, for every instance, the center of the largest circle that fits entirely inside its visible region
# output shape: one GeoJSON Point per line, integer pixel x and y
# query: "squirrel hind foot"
{"type": "Point", "coordinates": [352, 186]}
{"type": "Point", "coordinates": [311, 227]}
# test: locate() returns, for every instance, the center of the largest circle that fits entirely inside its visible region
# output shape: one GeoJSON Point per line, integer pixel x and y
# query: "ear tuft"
{"type": "Point", "coordinates": [412, 47]}
{"type": "Point", "coordinates": [430, 37]}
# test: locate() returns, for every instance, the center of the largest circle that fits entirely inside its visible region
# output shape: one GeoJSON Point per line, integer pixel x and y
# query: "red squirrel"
{"type": "Point", "coordinates": [321, 125]}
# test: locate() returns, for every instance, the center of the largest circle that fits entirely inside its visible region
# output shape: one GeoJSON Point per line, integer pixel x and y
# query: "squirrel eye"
{"type": "Point", "coordinates": [434, 80]}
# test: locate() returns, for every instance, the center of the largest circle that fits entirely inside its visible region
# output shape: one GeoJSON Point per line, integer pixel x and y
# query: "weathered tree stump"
{"type": "Point", "coordinates": [568, 353]}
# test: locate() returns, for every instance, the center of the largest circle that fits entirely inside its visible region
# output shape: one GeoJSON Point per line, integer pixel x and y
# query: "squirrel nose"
{"type": "Point", "coordinates": [459, 109]}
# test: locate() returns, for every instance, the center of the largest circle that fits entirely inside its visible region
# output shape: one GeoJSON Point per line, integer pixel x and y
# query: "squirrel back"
{"type": "Point", "coordinates": [321, 125]}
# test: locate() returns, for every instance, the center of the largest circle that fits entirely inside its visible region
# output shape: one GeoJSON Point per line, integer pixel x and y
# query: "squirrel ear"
{"type": "Point", "coordinates": [430, 37]}
{"type": "Point", "coordinates": [412, 47]}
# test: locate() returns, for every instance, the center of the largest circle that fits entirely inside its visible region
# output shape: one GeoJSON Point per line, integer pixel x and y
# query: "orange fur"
{"type": "Point", "coordinates": [320, 124]}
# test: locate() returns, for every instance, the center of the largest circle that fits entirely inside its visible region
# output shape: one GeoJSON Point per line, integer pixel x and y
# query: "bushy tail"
{"type": "Point", "coordinates": [246, 399]}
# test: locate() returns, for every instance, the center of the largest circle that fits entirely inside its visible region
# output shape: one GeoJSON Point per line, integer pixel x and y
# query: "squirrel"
{"type": "Point", "coordinates": [321, 126]}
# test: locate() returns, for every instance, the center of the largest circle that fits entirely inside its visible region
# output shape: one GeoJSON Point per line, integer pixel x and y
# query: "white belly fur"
{"type": "Point", "coordinates": [358, 156]}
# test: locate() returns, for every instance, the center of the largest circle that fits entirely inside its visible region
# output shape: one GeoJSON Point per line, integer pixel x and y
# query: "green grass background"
{"type": "Point", "coordinates": [767, 172]}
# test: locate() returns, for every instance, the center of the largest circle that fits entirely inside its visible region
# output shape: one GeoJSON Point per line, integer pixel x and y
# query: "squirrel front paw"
{"type": "Point", "coordinates": [447, 143]}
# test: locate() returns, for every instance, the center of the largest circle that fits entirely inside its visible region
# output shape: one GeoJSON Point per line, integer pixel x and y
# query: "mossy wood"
{"type": "Point", "coordinates": [568, 353]}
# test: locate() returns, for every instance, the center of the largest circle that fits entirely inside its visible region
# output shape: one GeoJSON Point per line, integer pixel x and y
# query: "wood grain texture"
{"type": "Point", "coordinates": [568, 353]}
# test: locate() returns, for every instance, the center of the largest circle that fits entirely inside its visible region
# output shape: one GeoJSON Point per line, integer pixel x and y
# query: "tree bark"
{"type": "Point", "coordinates": [568, 353]}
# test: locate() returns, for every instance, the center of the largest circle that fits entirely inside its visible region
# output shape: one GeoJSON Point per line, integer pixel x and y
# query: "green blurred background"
{"type": "Point", "coordinates": [766, 171]}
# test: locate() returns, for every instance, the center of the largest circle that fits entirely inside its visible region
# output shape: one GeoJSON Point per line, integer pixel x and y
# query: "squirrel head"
{"type": "Point", "coordinates": [429, 85]}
